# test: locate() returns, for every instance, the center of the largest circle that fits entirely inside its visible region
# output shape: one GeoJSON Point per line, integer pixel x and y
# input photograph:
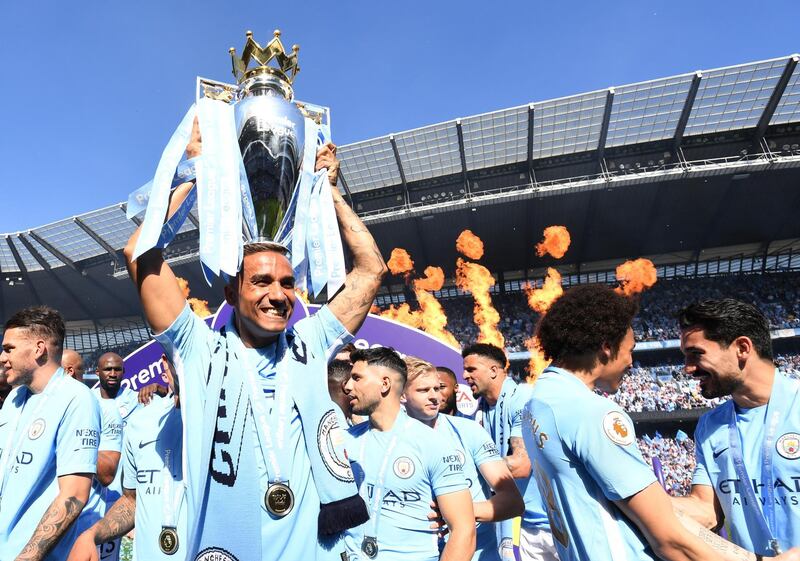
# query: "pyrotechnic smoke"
{"type": "Point", "coordinates": [537, 363]}
{"type": "Point", "coordinates": [430, 317]}
{"type": "Point", "coordinates": [400, 262]}
{"type": "Point", "coordinates": [539, 299]}
{"type": "Point", "coordinates": [556, 242]}
{"type": "Point", "coordinates": [469, 244]}
{"type": "Point", "coordinates": [636, 276]}
{"type": "Point", "coordinates": [199, 307]}
{"type": "Point", "coordinates": [476, 279]}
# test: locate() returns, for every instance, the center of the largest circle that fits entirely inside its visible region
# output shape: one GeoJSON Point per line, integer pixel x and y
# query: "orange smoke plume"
{"type": "Point", "coordinates": [539, 299]}
{"type": "Point", "coordinates": [433, 280]}
{"type": "Point", "coordinates": [477, 279]}
{"type": "Point", "coordinates": [433, 318]}
{"type": "Point", "coordinates": [403, 314]}
{"type": "Point", "coordinates": [469, 244]}
{"type": "Point", "coordinates": [556, 242]}
{"type": "Point", "coordinates": [400, 262]}
{"type": "Point", "coordinates": [537, 363]}
{"type": "Point", "coordinates": [199, 307]}
{"type": "Point", "coordinates": [636, 276]}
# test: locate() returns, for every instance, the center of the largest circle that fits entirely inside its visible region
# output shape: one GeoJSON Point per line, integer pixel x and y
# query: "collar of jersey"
{"type": "Point", "coordinates": [561, 372]}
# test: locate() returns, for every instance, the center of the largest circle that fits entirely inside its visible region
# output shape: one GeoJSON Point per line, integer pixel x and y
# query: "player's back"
{"type": "Point", "coordinates": [584, 456]}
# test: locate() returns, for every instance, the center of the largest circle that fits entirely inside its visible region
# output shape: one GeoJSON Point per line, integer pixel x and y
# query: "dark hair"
{"type": "Point", "coordinates": [447, 371]}
{"type": "Point", "coordinates": [339, 371]}
{"type": "Point", "coordinates": [581, 320]}
{"type": "Point", "coordinates": [724, 320]}
{"type": "Point", "coordinates": [40, 321]}
{"type": "Point", "coordinates": [487, 351]}
{"type": "Point", "coordinates": [381, 356]}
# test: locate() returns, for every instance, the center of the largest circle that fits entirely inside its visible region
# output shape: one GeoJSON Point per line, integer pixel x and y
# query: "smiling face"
{"type": "Point", "coordinates": [19, 355]}
{"type": "Point", "coordinates": [110, 370]}
{"type": "Point", "coordinates": [717, 368]}
{"type": "Point", "coordinates": [422, 396]}
{"type": "Point", "coordinates": [614, 370]}
{"type": "Point", "coordinates": [263, 296]}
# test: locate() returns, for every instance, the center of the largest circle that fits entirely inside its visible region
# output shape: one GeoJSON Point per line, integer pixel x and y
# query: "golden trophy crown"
{"type": "Point", "coordinates": [286, 64]}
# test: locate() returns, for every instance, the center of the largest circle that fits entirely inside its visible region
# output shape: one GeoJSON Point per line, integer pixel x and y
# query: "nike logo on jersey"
{"type": "Point", "coordinates": [716, 454]}
{"type": "Point", "coordinates": [142, 444]}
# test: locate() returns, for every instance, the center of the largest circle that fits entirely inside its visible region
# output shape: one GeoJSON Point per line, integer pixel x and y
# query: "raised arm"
{"type": "Point", "coordinates": [118, 521]}
{"type": "Point", "coordinates": [506, 502]}
{"type": "Point", "coordinates": [73, 492]}
{"type": "Point", "coordinates": [456, 509]}
{"type": "Point", "coordinates": [352, 303]}
{"type": "Point", "coordinates": [162, 298]}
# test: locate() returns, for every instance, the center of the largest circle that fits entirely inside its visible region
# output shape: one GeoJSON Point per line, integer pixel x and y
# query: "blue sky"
{"type": "Point", "coordinates": [91, 91]}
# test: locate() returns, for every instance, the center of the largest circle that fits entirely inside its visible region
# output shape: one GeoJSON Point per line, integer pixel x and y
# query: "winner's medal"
{"type": "Point", "coordinates": [370, 547]}
{"type": "Point", "coordinates": [168, 541]}
{"type": "Point", "coordinates": [279, 499]}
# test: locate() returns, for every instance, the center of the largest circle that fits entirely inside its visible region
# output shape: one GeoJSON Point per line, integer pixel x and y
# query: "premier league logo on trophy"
{"type": "Point", "coordinates": [255, 180]}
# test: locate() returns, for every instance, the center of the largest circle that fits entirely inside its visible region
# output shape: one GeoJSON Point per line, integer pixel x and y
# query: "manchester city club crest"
{"type": "Point", "coordinates": [215, 554]}
{"type": "Point", "coordinates": [36, 429]}
{"type": "Point", "coordinates": [788, 445]}
{"type": "Point", "coordinates": [403, 467]}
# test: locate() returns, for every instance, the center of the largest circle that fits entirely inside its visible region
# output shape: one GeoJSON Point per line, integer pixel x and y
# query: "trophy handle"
{"type": "Point", "coordinates": [221, 91]}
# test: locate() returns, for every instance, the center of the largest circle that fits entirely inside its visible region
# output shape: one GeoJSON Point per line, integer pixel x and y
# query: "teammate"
{"type": "Point", "coordinates": [111, 371]}
{"type": "Point", "coordinates": [500, 413]}
{"type": "Point", "coordinates": [747, 449]}
{"type": "Point", "coordinates": [603, 500]}
{"type": "Point", "coordinates": [49, 432]}
{"type": "Point", "coordinates": [483, 467]}
{"type": "Point", "coordinates": [108, 456]}
{"type": "Point", "coordinates": [152, 499]}
{"type": "Point", "coordinates": [338, 374]}
{"type": "Point", "coordinates": [448, 390]}
{"type": "Point", "coordinates": [401, 465]}
{"type": "Point", "coordinates": [72, 363]}
{"type": "Point", "coordinates": [282, 472]}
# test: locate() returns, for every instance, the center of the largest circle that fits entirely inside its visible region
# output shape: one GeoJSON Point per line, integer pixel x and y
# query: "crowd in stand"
{"type": "Point", "coordinates": [677, 461]}
{"type": "Point", "coordinates": [777, 295]}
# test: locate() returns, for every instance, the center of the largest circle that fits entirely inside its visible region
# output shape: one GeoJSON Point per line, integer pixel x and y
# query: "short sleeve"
{"type": "Point", "coordinates": [445, 470]}
{"type": "Point", "coordinates": [78, 436]}
{"type": "Point", "coordinates": [482, 447]}
{"type": "Point", "coordinates": [606, 443]}
{"type": "Point", "coordinates": [324, 332]}
{"type": "Point", "coordinates": [518, 403]}
{"type": "Point", "coordinates": [111, 433]}
{"type": "Point", "coordinates": [128, 464]}
{"type": "Point", "coordinates": [186, 337]}
{"type": "Point", "coordinates": [700, 475]}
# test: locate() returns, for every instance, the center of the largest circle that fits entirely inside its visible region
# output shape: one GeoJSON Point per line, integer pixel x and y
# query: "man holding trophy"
{"type": "Point", "coordinates": [264, 462]}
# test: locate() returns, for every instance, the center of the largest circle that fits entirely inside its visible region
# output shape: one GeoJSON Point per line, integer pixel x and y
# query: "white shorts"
{"type": "Point", "coordinates": [536, 544]}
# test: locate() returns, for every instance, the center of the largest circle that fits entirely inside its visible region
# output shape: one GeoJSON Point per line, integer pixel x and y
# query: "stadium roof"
{"type": "Point", "coordinates": [697, 128]}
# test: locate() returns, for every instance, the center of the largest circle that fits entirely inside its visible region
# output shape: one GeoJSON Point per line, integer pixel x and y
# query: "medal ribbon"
{"type": "Point", "coordinates": [765, 515]}
{"type": "Point", "coordinates": [271, 431]}
{"type": "Point", "coordinates": [377, 490]}
{"type": "Point", "coordinates": [12, 445]}
{"type": "Point", "coordinates": [171, 501]}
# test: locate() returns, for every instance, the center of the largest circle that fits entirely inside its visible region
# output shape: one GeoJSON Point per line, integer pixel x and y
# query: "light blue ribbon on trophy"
{"type": "Point", "coordinates": [315, 250]}
{"type": "Point", "coordinates": [137, 201]}
{"type": "Point", "coordinates": [162, 180]}
{"type": "Point", "coordinates": [298, 247]}
{"type": "Point", "coordinates": [334, 253]}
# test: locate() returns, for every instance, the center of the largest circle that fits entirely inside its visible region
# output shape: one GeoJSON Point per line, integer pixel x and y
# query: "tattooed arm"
{"type": "Point", "coordinates": [352, 303]}
{"type": "Point", "coordinates": [118, 521]}
{"type": "Point", "coordinates": [518, 462]}
{"type": "Point", "coordinates": [73, 492]}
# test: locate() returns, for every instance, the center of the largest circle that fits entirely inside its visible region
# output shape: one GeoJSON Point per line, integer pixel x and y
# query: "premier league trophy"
{"type": "Point", "coordinates": [255, 180]}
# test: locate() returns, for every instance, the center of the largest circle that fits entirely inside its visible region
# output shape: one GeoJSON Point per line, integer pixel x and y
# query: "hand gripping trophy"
{"type": "Point", "coordinates": [255, 178]}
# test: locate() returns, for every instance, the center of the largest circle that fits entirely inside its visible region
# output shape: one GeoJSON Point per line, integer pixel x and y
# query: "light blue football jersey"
{"type": "Point", "coordinates": [535, 516]}
{"type": "Point", "coordinates": [584, 455]}
{"type": "Point", "coordinates": [153, 443]}
{"type": "Point", "coordinates": [190, 342]}
{"type": "Point", "coordinates": [474, 448]}
{"type": "Point", "coordinates": [127, 402]}
{"type": "Point", "coordinates": [422, 464]}
{"type": "Point", "coordinates": [57, 433]}
{"type": "Point", "coordinates": [110, 441]}
{"type": "Point", "coordinates": [715, 466]}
